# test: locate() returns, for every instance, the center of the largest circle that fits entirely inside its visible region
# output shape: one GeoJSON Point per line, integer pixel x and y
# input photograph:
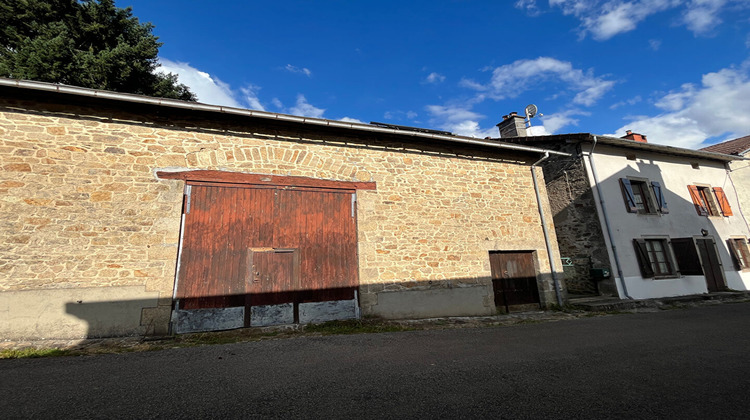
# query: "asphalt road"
{"type": "Point", "coordinates": [689, 363]}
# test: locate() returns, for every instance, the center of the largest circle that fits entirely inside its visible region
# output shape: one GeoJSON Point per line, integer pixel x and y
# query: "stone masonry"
{"type": "Point", "coordinates": [82, 208]}
{"type": "Point", "coordinates": [579, 233]}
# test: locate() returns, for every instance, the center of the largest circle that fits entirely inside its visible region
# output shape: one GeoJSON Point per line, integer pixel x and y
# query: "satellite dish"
{"type": "Point", "coordinates": [530, 111]}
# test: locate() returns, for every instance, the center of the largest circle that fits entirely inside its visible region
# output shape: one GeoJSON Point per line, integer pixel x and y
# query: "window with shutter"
{"type": "Point", "coordinates": [740, 253]}
{"type": "Point", "coordinates": [698, 201]}
{"type": "Point", "coordinates": [726, 210]}
{"type": "Point", "coordinates": [642, 196]}
{"type": "Point", "coordinates": [654, 258]}
{"type": "Point", "coordinates": [686, 256]}
{"type": "Point", "coordinates": [659, 195]}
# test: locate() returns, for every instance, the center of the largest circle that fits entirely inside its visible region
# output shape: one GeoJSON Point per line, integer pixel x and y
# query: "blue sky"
{"type": "Point", "coordinates": [677, 71]}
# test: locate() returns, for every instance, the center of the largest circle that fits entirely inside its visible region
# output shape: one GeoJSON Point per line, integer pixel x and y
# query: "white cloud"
{"type": "Point", "coordinates": [701, 16]}
{"type": "Point", "coordinates": [655, 44]}
{"type": "Point", "coordinates": [528, 5]}
{"type": "Point", "coordinates": [400, 115]}
{"type": "Point", "coordinates": [510, 80]}
{"type": "Point", "coordinates": [299, 70]}
{"type": "Point", "coordinates": [718, 107]}
{"type": "Point", "coordinates": [251, 97]}
{"type": "Point", "coordinates": [603, 19]}
{"type": "Point", "coordinates": [303, 108]}
{"type": "Point", "coordinates": [459, 120]}
{"type": "Point", "coordinates": [351, 120]}
{"type": "Point", "coordinates": [277, 103]}
{"type": "Point", "coordinates": [208, 89]}
{"type": "Point", "coordinates": [553, 123]}
{"type": "Point", "coordinates": [434, 78]}
{"type": "Point", "coordinates": [632, 101]}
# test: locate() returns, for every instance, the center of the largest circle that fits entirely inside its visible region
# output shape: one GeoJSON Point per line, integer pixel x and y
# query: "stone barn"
{"type": "Point", "coordinates": [130, 215]}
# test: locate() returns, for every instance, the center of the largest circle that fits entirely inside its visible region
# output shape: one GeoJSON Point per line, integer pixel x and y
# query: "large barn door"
{"type": "Point", "coordinates": [266, 251]}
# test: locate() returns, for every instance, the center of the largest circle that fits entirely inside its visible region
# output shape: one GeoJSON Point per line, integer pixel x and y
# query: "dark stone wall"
{"type": "Point", "coordinates": [579, 234]}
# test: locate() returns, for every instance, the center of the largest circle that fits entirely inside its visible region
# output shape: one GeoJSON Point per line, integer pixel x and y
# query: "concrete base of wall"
{"type": "Point", "coordinates": [431, 303]}
{"type": "Point", "coordinates": [74, 313]}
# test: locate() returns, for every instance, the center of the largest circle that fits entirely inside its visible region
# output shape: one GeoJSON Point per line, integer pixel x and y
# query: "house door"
{"type": "Point", "coordinates": [712, 267]}
{"type": "Point", "coordinates": [514, 278]}
{"type": "Point", "coordinates": [248, 246]}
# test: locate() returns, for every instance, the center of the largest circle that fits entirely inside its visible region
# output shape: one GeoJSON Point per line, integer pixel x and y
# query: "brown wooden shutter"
{"type": "Point", "coordinates": [659, 194]}
{"type": "Point", "coordinates": [700, 207]}
{"type": "Point", "coordinates": [627, 194]}
{"type": "Point", "coordinates": [643, 261]}
{"type": "Point", "coordinates": [723, 202]}
{"type": "Point", "coordinates": [687, 256]}
{"type": "Point", "coordinates": [735, 253]}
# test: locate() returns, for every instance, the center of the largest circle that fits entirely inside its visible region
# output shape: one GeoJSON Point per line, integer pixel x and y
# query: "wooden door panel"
{"type": "Point", "coordinates": [514, 278]}
{"type": "Point", "coordinates": [321, 225]}
{"type": "Point", "coordinates": [272, 276]}
{"type": "Point", "coordinates": [221, 223]}
{"type": "Point", "coordinates": [711, 264]}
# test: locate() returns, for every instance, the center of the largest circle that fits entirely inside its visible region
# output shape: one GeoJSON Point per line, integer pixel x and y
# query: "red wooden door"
{"type": "Point", "coordinates": [221, 224]}
{"type": "Point", "coordinates": [514, 278]}
{"type": "Point", "coordinates": [248, 245]}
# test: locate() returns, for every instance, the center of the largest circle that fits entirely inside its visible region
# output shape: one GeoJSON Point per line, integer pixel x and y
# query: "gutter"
{"type": "Point", "coordinates": [606, 222]}
{"type": "Point", "coordinates": [550, 256]}
{"type": "Point", "coordinates": [196, 106]}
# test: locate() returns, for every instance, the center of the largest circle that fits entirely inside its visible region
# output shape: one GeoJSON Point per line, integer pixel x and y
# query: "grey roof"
{"type": "Point", "coordinates": [320, 122]}
{"type": "Point", "coordinates": [625, 144]}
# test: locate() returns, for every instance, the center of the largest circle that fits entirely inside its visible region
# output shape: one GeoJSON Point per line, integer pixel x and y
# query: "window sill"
{"type": "Point", "coordinates": [667, 277]}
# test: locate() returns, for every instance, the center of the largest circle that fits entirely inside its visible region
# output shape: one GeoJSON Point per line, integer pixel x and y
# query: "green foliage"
{"type": "Point", "coordinates": [32, 353]}
{"type": "Point", "coordinates": [88, 43]}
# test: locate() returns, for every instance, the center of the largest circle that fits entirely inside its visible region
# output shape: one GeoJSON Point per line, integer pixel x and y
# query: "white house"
{"type": "Point", "coordinates": [640, 220]}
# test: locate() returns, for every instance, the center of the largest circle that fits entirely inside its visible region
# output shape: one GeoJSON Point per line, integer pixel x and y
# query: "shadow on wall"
{"type": "Point", "coordinates": [119, 318]}
{"type": "Point", "coordinates": [658, 233]}
{"type": "Point", "coordinates": [411, 299]}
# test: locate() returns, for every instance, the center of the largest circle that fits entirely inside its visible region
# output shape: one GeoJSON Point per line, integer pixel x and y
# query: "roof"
{"type": "Point", "coordinates": [254, 114]}
{"type": "Point", "coordinates": [625, 144]}
{"type": "Point", "coordinates": [737, 147]}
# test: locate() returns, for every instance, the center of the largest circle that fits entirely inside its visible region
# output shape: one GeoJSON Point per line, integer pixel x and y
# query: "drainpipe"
{"type": "Point", "coordinates": [551, 257]}
{"type": "Point", "coordinates": [606, 222]}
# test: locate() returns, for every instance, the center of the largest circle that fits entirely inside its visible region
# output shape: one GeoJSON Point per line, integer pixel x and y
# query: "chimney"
{"type": "Point", "coordinates": [640, 138]}
{"type": "Point", "coordinates": [512, 125]}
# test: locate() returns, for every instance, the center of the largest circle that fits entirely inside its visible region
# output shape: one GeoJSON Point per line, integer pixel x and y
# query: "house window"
{"type": "Point", "coordinates": [643, 197]}
{"type": "Point", "coordinates": [740, 253]}
{"type": "Point", "coordinates": [686, 256]}
{"type": "Point", "coordinates": [655, 257]}
{"type": "Point", "coordinates": [709, 201]}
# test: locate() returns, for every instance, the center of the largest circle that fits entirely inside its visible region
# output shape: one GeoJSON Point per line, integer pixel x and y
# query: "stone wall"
{"type": "Point", "coordinates": [81, 206]}
{"type": "Point", "coordinates": [579, 233]}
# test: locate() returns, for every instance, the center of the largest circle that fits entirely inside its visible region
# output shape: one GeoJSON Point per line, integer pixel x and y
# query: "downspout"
{"type": "Point", "coordinates": [606, 222]}
{"type": "Point", "coordinates": [551, 257]}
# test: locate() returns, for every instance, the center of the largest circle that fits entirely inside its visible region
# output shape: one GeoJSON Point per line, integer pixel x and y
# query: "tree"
{"type": "Point", "coordinates": [88, 43]}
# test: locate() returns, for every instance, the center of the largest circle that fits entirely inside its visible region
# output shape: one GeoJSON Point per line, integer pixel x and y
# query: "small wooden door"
{"type": "Point", "coordinates": [711, 262]}
{"type": "Point", "coordinates": [514, 278]}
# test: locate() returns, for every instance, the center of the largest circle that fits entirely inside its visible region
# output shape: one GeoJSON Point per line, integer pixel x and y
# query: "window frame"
{"type": "Point", "coordinates": [650, 267]}
{"type": "Point", "coordinates": [738, 248]}
{"type": "Point", "coordinates": [710, 201]}
{"type": "Point", "coordinates": [651, 194]}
